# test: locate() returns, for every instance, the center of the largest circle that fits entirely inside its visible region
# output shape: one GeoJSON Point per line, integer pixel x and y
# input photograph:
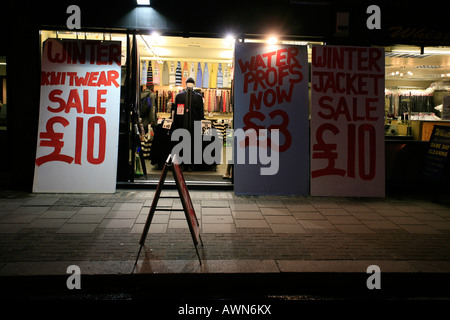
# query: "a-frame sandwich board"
{"type": "Point", "coordinates": [183, 193]}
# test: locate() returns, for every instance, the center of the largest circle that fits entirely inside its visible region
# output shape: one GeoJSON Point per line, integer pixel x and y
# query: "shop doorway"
{"type": "Point", "coordinates": [166, 62]}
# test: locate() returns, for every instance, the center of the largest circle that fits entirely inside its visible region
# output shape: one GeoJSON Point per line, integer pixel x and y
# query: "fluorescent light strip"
{"type": "Point", "coordinates": [143, 2]}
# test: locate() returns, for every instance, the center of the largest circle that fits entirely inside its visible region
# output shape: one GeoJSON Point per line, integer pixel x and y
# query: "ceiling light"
{"type": "Point", "coordinates": [272, 40]}
{"type": "Point", "coordinates": [143, 2]}
{"type": "Point", "coordinates": [229, 39]}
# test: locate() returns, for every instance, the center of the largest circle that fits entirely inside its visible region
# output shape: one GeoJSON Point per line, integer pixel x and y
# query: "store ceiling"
{"type": "Point", "coordinates": [402, 62]}
{"type": "Point", "coordinates": [407, 63]}
{"type": "Point", "coordinates": [186, 49]}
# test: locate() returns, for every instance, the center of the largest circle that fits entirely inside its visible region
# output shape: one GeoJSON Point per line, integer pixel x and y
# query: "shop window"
{"type": "Point", "coordinates": [417, 82]}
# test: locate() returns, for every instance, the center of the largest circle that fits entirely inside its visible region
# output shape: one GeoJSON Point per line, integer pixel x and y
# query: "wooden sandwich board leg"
{"type": "Point", "coordinates": [188, 208]}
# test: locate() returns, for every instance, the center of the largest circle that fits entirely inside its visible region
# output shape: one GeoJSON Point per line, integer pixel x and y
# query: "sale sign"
{"type": "Point", "coordinates": [347, 121]}
{"type": "Point", "coordinates": [79, 116]}
{"type": "Point", "coordinates": [271, 136]}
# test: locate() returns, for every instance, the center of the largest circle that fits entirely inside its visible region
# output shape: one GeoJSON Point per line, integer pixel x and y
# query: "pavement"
{"type": "Point", "coordinates": [284, 247]}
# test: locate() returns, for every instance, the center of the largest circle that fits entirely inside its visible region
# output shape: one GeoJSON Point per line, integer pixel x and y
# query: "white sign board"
{"type": "Point", "coordinates": [347, 121]}
{"type": "Point", "coordinates": [79, 117]}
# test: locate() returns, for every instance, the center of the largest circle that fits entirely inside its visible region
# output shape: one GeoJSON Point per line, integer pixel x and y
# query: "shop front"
{"type": "Point", "coordinates": [167, 51]}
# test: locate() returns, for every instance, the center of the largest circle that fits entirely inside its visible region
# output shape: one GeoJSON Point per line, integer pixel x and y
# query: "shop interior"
{"type": "Point", "coordinates": [166, 64]}
{"type": "Point", "coordinates": [417, 80]}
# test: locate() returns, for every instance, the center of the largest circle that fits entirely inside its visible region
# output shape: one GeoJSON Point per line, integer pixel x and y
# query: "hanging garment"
{"type": "Point", "coordinates": [198, 80]}
{"type": "Point", "coordinates": [213, 76]}
{"type": "Point", "coordinates": [149, 74]}
{"type": "Point", "coordinates": [192, 71]}
{"type": "Point", "coordinates": [206, 97]}
{"type": "Point", "coordinates": [172, 74]}
{"type": "Point", "coordinates": [205, 82]}
{"type": "Point", "coordinates": [216, 101]}
{"type": "Point", "coordinates": [178, 75]}
{"type": "Point", "coordinates": [165, 74]}
{"type": "Point", "coordinates": [222, 102]}
{"type": "Point", "coordinates": [226, 77]}
{"type": "Point", "coordinates": [143, 72]}
{"type": "Point", "coordinates": [184, 74]}
{"type": "Point", "coordinates": [219, 77]}
{"type": "Point", "coordinates": [156, 77]}
{"type": "Point", "coordinates": [211, 103]}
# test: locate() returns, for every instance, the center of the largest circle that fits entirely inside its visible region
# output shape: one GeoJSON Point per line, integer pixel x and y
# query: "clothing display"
{"type": "Point", "coordinates": [213, 76]}
{"type": "Point", "coordinates": [226, 77]}
{"type": "Point", "coordinates": [178, 75]}
{"type": "Point", "coordinates": [149, 74]}
{"type": "Point", "coordinates": [401, 101]}
{"type": "Point", "coordinates": [219, 77]}
{"type": "Point", "coordinates": [184, 74]}
{"type": "Point", "coordinates": [198, 79]}
{"type": "Point", "coordinates": [196, 109]}
{"type": "Point", "coordinates": [221, 126]}
{"type": "Point", "coordinates": [165, 74]}
{"type": "Point", "coordinates": [156, 74]}
{"type": "Point", "coordinates": [172, 74]}
{"type": "Point", "coordinates": [205, 80]}
{"type": "Point", "coordinates": [144, 72]}
{"type": "Point", "coordinates": [192, 71]}
{"type": "Point", "coordinates": [217, 101]}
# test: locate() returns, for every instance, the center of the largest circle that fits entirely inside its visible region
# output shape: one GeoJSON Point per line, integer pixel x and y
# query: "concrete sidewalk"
{"type": "Point", "coordinates": [42, 234]}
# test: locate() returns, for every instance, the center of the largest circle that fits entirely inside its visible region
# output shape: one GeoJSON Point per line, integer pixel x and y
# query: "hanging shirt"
{"type": "Point", "coordinates": [156, 77]}
{"type": "Point", "coordinates": [219, 77]}
{"type": "Point", "coordinates": [198, 80]}
{"type": "Point", "coordinates": [226, 77]}
{"type": "Point", "coordinates": [213, 76]}
{"type": "Point", "coordinates": [143, 72]}
{"type": "Point", "coordinates": [165, 74]}
{"type": "Point", "coordinates": [149, 74]}
{"type": "Point", "coordinates": [172, 74]}
{"type": "Point", "coordinates": [205, 82]}
{"type": "Point", "coordinates": [178, 75]}
{"type": "Point", "coordinates": [184, 74]}
{"type": "Point", "coordinates": [192, 71]}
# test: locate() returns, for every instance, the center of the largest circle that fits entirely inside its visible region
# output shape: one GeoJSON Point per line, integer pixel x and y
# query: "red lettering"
{"type": "Point", "coordinates": [87, 109]}
{"type": "Point", "coordinates": [351, 150]}
{"type": "Point", "coordinates": [78, 140]}
{"type": "Point", "coordinates": [53, 55]}
{"type": "Point", "coordinates": [269, 56]}
{"type": "Point", "coordinates": [326, 151]}
{"type": "Point", "coordinates": [74, 101]}
{"type": "Point", "coordinates": [292, 55]}
{"type": "Point", "coordinates": [102, 55]}
{"type": "Point", "coordinates": [325, 106]}
{"type": "Point", "coordinates": [113, 75]}
{"type": "Point", "coordinates": [115, 55]}
{"type": "Point", "coordinates": [53, 97]}
{"type": "Point", "coordinates": [53, 139]}
{"type": "Point", "coordinates": [362, 151]}
{"type": "Point", "coordinates": [100, 100]}
{"type": "Point", "coordinates": [92, 79]}
{"type": "Point", "coordinates": [259, 62]}
{"type": "Point", "coordinates": [246, 66]}
{"type": "Point", "coordinates": [281, 57]}
{"type": "Point", "coordinates": [100, 121]}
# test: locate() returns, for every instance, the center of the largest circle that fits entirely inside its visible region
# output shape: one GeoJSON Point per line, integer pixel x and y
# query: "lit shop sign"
{"type": "Point", "coordinates": [271, 93]}
{"type": "Point", "coordinates": [79, 116]}
{"type": "Point", "coordinates": [347, 121]}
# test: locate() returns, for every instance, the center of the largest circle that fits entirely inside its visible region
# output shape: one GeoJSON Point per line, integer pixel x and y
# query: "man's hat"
{"type": "Point", "coordinates": [190, 80]}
